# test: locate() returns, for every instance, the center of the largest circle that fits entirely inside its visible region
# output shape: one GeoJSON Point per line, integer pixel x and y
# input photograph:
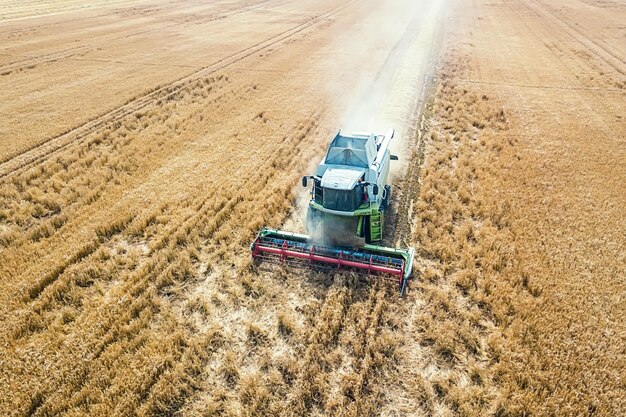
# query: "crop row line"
{"type": "Point", "coordinates": [45, 149]}
{"type": "Point", "coordinates": [30, 61]}
{"type": "Point", "coordinates": [591, 45]}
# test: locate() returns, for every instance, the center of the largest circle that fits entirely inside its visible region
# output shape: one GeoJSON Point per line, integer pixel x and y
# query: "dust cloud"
{"type": "Point", "coordinates": [391, 98]}
{"type": "Point", "coordinates": [381, 88]}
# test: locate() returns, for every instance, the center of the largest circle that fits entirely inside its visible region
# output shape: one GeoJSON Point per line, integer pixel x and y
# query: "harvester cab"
{"type": "Point", "coordinates": [345, 216]}
{"type": "Point", "coordinates": [350, 190]}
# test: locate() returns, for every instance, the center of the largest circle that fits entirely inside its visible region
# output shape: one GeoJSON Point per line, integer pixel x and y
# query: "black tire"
{"type": "Point", "coordinates": [313, 221]}
{"type": "Point", "coordinates": [366, 229]}
{"type": "Point", "coordinates": [387, 200]}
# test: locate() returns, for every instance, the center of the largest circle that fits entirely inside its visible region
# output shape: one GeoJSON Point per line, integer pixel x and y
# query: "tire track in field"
{"type": "Point", "coordinates": [409, 187]}
{"type": "Point", "coordinates": [595, 47]}
{"type": "Point", "coordinates": [114, 8]}
{"type": "Point", "coordinates": [45, 25]}
{"type": "Point", "coordinates": [398, 230]}
{"type": "Point", "coordinates": [574, 59]}
{"type": "Point", "coordinates": [508, 84]}
{"type": "Point", "coordinates": [165, 8]}
{"type": "Point", "coordinates": [31, 62]}
{"type": "Point", "coordinates": [46, 148]}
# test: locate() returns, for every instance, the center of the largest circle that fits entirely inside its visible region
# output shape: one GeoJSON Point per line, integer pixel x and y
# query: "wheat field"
{"type": "Point", "coordinates": [143, 145]}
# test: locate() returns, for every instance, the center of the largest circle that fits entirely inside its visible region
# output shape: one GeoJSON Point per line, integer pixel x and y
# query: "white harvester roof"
{"type": "Point", "coordinates": [362, 152]}
{"type": "Point", "coordinates": [344, 178]}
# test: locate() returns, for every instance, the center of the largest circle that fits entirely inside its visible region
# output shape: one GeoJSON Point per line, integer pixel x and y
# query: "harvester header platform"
{"type": "Point", "coordinates": [349, 195]}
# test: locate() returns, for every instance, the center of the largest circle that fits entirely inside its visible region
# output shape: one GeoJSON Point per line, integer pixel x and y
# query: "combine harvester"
{"type": "Point", "coordinates": [349, 197]}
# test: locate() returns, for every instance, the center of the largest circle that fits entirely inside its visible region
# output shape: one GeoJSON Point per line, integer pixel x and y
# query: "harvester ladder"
{"type": "Point", "coordinates": [376, 226]}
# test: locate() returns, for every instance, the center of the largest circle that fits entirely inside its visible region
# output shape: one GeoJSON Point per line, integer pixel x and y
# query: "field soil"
{"type": "Point", "coordinates": [551, 181]}
{"type": "Point", "coordinates": [143, 144]}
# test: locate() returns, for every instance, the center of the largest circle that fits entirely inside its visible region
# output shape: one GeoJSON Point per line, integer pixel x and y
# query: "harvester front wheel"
{"type": "Point", "coordinates": [366, 229]}
{"type": "Point", "coordinates": [313, 221]}
{"type": "Point", "coordinates": [387, 196]}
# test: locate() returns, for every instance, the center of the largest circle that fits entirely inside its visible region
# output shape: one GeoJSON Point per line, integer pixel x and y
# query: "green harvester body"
{"type": "Point", "coordinates": [345, 215]}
